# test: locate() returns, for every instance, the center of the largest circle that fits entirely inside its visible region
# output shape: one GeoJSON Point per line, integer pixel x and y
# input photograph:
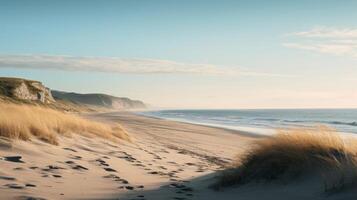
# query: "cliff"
{"type": "Point", "coordinates": [17, 89]}
{"type": "Point", "coordinates": [101, 100]}
{"type": "Point", "coordinates": [22, 89]}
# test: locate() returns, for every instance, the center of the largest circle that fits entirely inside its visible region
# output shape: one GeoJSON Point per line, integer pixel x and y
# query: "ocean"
{"type": "Point", "coordinates": [265, 121]}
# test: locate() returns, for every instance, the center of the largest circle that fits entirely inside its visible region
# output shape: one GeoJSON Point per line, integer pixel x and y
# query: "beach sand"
{"type": "Point", "coordinates": [166, 160]}
{"type": "Point", "coordinates": [162, 153]}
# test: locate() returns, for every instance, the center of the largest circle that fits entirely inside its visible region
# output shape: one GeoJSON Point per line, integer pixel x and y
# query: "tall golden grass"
{"type": "Point", "coordinates": [25, 121]}
{"type": "Point", "coordinates": [291, 154]}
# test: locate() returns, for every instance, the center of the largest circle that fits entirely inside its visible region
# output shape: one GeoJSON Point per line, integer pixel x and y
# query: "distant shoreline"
{"type": "Point", "coordinates": [249, 129]}
{"type": "Point", "coordinates": [255, 132]}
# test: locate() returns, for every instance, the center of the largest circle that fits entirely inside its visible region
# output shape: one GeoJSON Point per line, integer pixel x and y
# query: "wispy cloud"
{"type": "Point", "coordinates": [118, 65]}
{"type": "Point", "coordinates": [326, 40]}
{"type": "Point", "coordinates": [105, 64]}
{"type": "Point", "coordinates": [329, 32]}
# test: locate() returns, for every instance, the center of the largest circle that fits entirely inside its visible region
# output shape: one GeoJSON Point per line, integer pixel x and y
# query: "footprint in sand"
{"type": "Point", "coordinates": [116, 178]}
{"type": "Point", "coordinates": [79, 167]}
{"type": "Point", "coordinates": [100, 161]}
{"type": "Point", "coordinates": [128, 158]}
{"type": "Point", "coordinates": [190, 164]}
{"type": "Point", "coordinates": [157, 157]}
{"type": "Point", "coordinates": [75, 166]}
{"type": "Point", "coordinates": [7, 178]}
{"type": "Point", "coordinates": [75, 157]}
{"type": "Point", "coordinates": [123, 181]}
{"type": "Point", "coordinates": [14, 186]}
{"type": "Point", "coordinates": [30, 185]}
{"type": "Point", "coordinates": [129, 187]}
{"type": "Point", "coordinates": [52, 168]}
{"type": "Point", "coordinates": [139, 165]}
{"type": "Point", "coordinates": [162, 167]}
{"type": "Point", "coordinates": [106, 168]}
{"type": "Point", "coordinates": [16, 159]}
{"type": "Point", "coordinates": [69, 149]}
{"type": "Point", "coordinates": [172, 175]}
{"type": "Point", "coordinates": [113, 176]}
{"type": "Point", "coordinates": [33, 167]}
{"type": "Point", "coordinates": [109, 169]}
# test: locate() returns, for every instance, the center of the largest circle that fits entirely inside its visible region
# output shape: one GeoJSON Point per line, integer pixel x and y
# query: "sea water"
{"type": "Point", "coordinates": [265, 121]}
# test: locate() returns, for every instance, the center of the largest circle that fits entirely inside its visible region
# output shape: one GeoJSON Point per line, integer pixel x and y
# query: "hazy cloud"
{"type": "Point", "coordinates": [326, 40]}
{"type": "Point", "coordinates": [118, 65]}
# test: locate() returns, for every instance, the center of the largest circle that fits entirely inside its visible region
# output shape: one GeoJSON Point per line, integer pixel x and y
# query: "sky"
{"type": "Point", "coordinates": [188, 54]}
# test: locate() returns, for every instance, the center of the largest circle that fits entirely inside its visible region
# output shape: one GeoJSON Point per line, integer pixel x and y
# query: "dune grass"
{"type": "Point", "coordinates": [26, 121]}
{"type": "Point", "coordinates": [293, 154]}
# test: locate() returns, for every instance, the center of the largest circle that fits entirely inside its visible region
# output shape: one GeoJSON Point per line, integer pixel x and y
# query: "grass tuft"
{"type": "Point", "coordinates": [297, 153]}
{"type": "Point", "coordinates": [26, 121]}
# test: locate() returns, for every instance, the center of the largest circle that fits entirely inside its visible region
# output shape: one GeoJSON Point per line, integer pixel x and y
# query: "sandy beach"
{"type": "Point", "coordinates": [160, 163]}
{"type": "Point", "coordinates": [178, 100]}
{"type": "Point", "coordinates": [165, 160]}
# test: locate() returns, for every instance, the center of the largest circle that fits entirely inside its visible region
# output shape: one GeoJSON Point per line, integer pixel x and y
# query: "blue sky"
{"type": "Point", "coordinates": [188, 54]}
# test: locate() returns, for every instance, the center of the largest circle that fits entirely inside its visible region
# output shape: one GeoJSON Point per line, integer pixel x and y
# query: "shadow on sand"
{"type": "Point", "coordinates": [199, 189]}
